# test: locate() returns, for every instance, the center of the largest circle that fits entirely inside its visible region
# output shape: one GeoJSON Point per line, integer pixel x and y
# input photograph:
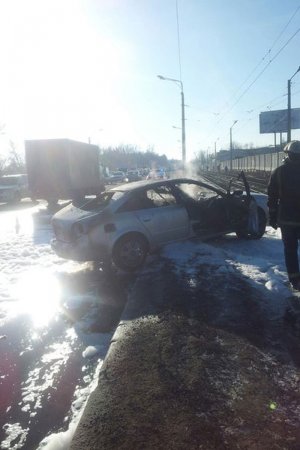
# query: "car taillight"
{"type": "Point", "coordinates": [59, 232]}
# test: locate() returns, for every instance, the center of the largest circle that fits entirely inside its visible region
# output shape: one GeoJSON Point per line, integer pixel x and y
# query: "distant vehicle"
{"type": "Point", "coordinates": [116, 177]}
{"type": "Point", "coordinates": [144, 172]}
{"type": "Point", "coordinates": [127, 222]}
{"type": "Point", "coordinates": [13, 188]}
{"type": "Point", "coordinates": [63, 169]}
{"type": "Point", "coordinates": [157, 174]}
{"type": "Point", "coordinates": [132, 175]}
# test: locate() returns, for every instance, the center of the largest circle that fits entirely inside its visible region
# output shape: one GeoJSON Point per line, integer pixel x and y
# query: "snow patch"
{"type": "Point", "coordinates": [91, 351]}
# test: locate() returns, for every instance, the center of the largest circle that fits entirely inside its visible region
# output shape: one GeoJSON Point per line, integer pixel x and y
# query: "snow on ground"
{"type": "Point", "coordinates": [62, 440]}
{"type": "Point", "coordinates": [28, 283]}
{"type": "Point", "coordinates": [260, 261]}
{"type": "Point", "coordinates": [37, 344]}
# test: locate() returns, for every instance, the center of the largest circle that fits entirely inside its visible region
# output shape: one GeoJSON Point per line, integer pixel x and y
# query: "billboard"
{"type": "Point", "coordinates": [276, 121]}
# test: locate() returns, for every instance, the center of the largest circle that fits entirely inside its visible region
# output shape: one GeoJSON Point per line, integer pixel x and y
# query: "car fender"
{"type": "Point", "coordinates": [113, 235]}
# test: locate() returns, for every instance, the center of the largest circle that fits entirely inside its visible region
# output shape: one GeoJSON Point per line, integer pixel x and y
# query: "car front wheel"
{"type": "Point", "coordinates": [262, 222]}
{"type": "Point", "coordinates": [130, 252]}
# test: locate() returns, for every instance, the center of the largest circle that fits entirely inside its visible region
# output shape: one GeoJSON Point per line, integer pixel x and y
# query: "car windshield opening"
{"type": "Point", "coordinates": [194, 191]}
{"type": "Point", "coordinates": [99, 202]}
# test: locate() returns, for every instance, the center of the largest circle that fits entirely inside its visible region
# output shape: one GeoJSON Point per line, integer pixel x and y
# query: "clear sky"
{"type": "Point", "coordinates": [85, 69]}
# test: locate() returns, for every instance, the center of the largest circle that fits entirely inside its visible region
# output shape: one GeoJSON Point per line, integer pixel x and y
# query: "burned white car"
{"type": "Point", "coordinates": [125, 223]}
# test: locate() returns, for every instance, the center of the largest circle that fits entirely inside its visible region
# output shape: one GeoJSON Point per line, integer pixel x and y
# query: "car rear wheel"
{"type": "Point", "coordinates": [130, 252]}
{"type": "Point", "coordinates": [262, 222]}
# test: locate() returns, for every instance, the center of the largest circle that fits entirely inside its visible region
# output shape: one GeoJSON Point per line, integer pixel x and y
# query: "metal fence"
{"type": "Point", "coordinates": [265, 162]}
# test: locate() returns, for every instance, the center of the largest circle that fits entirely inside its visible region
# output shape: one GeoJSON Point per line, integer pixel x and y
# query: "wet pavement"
{"type": "Point", "coordinates": [198, 361]}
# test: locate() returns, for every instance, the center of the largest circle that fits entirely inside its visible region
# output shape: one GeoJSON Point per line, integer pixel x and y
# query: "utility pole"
{"type": "Point", "coordinates": [183, 143]}
{"type": "Point", "coordinates": [289, 109]}
{"type": "Point", "coordinates": [183, 127]}
{"type": "Point", "coordinates": [231, 143]}
{"type": "Point", "coordinates": [216, 153]}
{"type": "Point", "coordinates": [289, 112]}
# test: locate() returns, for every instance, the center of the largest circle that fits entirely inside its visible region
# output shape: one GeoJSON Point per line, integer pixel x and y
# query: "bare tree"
{"type": "Point", "coordinates": [2, 165]}
{"type": "Point", "coordinates": [15, 162]}
{"type": "Point", "coordinates": [130, 157]}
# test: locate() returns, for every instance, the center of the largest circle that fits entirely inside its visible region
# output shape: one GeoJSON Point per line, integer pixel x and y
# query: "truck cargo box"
{"type": "Point", "coordinates": [63, 169]}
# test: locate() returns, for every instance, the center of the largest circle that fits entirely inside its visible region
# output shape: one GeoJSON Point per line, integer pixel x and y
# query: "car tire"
{"type": "Point", "coordinates": [130, 252]}
{"type": "Point", "coordinates": [262, 222]}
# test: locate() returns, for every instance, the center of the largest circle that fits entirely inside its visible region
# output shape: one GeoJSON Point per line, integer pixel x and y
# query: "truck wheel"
{"type": "Point", "coordinates": [262, 222]}
{"type": "Point", "coordinates": [130, 252]}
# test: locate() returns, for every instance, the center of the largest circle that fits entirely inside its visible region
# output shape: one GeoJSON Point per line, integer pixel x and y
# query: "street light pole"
{"type": "Point", "coordinates": [289, 111]}
{"type": "Point", "coordinates": [183, 126]}
{"type": "Point", "coordinates": [183, 142]}
{"type": "Point", "coordinates": [231, 143]}
{"type": "Point", "coordinates": [216, 152]}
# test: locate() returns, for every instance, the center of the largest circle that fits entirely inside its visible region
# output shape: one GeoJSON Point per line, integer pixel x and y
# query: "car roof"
{"type": "Point", "coordinates": [136, 185]}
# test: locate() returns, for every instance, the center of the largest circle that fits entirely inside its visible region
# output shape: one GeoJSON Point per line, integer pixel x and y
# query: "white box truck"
{"type": "Point", "coordinates": [63, 169]}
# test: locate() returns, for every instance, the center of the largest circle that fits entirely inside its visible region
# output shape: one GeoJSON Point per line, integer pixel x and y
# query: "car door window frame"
{"type": "Point", "coordinates": [149, 198]}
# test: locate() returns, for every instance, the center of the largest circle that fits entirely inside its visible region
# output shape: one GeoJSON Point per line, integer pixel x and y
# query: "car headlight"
{"type": "Point", "coordinates": [77, 230]}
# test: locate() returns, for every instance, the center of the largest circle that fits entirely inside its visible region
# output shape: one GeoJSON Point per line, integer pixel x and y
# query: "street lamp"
{"type": "Point", "coordinates": [207, 158]}
{"type": "Point", "coordinates": [289, 121]}
{"type": "Point", "coordinates": [179, 83]}
{"type": "Point", "coordinates": [231, 143]}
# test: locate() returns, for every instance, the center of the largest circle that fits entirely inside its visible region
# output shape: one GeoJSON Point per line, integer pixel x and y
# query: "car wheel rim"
{"type": "Point", "coordinates": [131, 253]}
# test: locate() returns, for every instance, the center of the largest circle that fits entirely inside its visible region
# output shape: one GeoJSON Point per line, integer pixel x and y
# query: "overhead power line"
{"type": "Point", "coordinates": [223, 115]}
{"type": "Point", "coordinates": [265, 68]}
{"type": "Point", "coordinates": [257, 77]}
{"type": "Point", "coordinates": [284, 28]}
{"type": "Point", "coordinates": [268, 53]}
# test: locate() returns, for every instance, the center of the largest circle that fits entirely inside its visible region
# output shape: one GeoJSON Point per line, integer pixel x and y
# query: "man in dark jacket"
{"type": "Point", "coordinates": [284, 208]}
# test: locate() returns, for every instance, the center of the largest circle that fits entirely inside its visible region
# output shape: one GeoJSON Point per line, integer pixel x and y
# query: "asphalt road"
{"type": "Point", "coordinates": [196, 363]}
